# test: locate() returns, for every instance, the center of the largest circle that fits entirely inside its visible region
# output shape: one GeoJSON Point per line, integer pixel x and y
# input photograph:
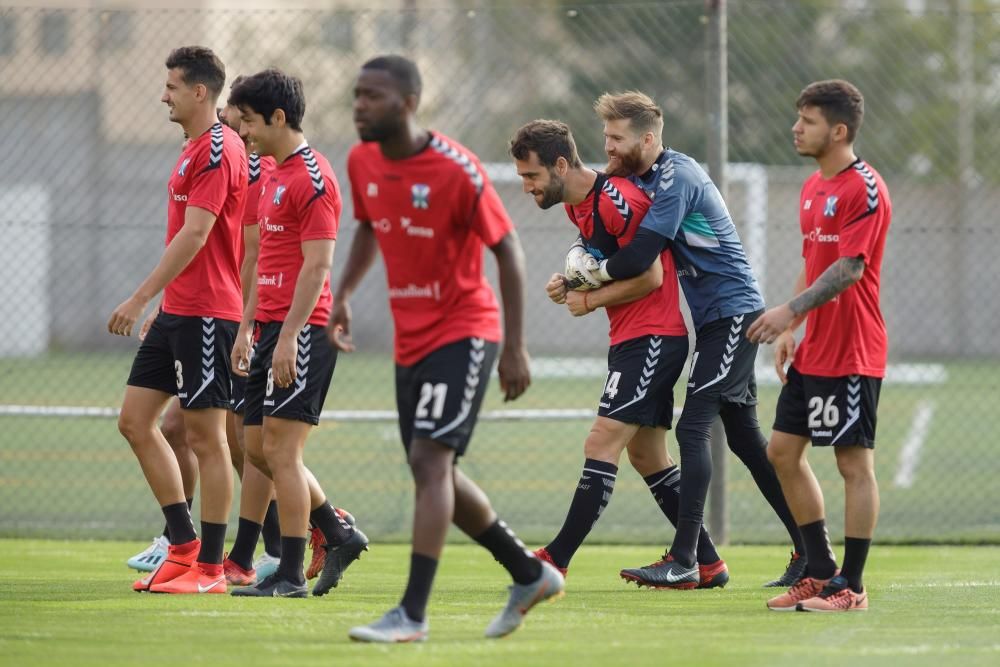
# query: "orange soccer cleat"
{"type": "Point", "coordinates": [200, 578]}
{"type": "Point", "coordinates": [179, 559]}
{"type": "Point", "coordinates": [238, 576]}
{"type": "Point", "coordinates": [806, 588]}
{"type": "Point", "coordinates": [836, 596]}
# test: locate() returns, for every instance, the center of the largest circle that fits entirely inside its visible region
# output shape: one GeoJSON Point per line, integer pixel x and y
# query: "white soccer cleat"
{"type": "Point", "coordinates": [523, 597]}
{"type": "Point", "coordinates": [154, 554]}
{"type": "Point", "coordinates": [266, 565]}
{"type": "Point", "coordinates": [394, 627]}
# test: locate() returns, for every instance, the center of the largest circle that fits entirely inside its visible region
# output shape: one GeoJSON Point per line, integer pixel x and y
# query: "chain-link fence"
{"type": "Point", "coordinates": [88, 149]}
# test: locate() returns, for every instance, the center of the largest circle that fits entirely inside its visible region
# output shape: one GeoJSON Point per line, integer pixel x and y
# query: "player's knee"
{"type": "Point", "coordinates": [647, 461]}
{"type": "Point", "coordinates": [131, 428]}
{"type": "Point", "coordinates": [854, 466]}
{"type": "Point", "coordinates": [782, 458]}
{"type": "Point", "coordinates": [430, 463]}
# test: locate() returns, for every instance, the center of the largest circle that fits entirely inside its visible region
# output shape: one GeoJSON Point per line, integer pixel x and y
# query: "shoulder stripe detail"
{"type": "Point", "coordinates": [618, 199]}
{"type": "Point", "coordinates": [253, 161]}
{"type": "Point", "coordinates": [871, 185]}
{"type": "Point", "coordinates": [470, 168]}
{"type": "Point", "coordinates": [667, 174]}
{"type": "Point", "coordinates": [215, 148]}
{"type": "Point", "coordinates": [319, 187]}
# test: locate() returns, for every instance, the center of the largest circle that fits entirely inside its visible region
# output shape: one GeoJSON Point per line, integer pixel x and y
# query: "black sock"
{"type": "Point", "coordinates": [855, 555]}
{"type": "Point", "coordinates": [498, 539]}
{"type": "Point", "coordinates": [180, 527]}
{"type": "Point", "coordinates": [694, 430]}
{"type": "Point", "coordinates": [750, 446]}
{"type": "Point", "coordinates": [166, 526]}
{"type": "Point", "coordinates": [820, 563]}
{"type": "Point", "coordinates": [593, 492]}
{"type": "Point", "coordinates": [247, 535]}
{"type": "Point", "coordinates": [334, 529]}
{"type": "Point", "coordinates": [293, 553]}
{"type": "Point", "coordinates": [213, 541]}
{"type": "Point", "coordinates": [271, 531]}
{"type": "Point", "coordinates": [418, 588]}
{"type": "Point", "coordinates": [665, 487]}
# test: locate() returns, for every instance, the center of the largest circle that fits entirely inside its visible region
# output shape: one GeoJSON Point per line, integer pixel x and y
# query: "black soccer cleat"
{"type": "Point", "coordinates": [338, 559]}
{"type": "Point", "coordinates": [793, 573]}
{"type": "Point", "coordinates": [273, 587]}
{"type": "Point", "coordinates": [665, 573]}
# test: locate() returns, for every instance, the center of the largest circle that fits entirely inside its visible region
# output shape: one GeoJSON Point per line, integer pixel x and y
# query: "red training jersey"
{"type": "Point", "coordinates": [432, 213]}
{"type": "Point", "coordinates": [621, 208]}
{"type": "Point", "coordinates": [260, 168]}
{"type": "Point", "coordinates": [845, 216]}
{"type": "Point", "coordinates": [210, 174]}
{"type": "Point", "coordinates": [299, 201]}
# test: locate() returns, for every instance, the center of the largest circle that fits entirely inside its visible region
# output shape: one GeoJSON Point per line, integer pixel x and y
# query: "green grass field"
{"type": "Point", "coordinates": [63, 477]}
{"type": "Point", "coordinates": [70, 603]}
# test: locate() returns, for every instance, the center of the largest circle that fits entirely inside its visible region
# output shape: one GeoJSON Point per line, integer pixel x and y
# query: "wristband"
{"type": "Point", "coordinates": [586, 306]}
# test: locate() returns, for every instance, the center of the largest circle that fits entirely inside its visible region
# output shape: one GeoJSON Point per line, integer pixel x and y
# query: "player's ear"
{"type": "Point", "coordinates": [562, 166]}
{"type": "Point", "coordinates": [840, 132]}
{"type": "Point", "coordinates": [278, 117]}
{"type": "Point", "coordinates": [411, 102]}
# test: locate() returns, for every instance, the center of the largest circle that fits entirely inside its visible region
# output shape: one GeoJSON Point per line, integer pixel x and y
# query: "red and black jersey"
{"type": "Point", "coordinates": [432, 213]}
{"type": "Point", "coordinates": [845, 216]}
{"type": "Point", "coordinates": [211, 174]}
{"type": "Point", "coordinates": [260, 168]}
{"type": "Point", "coordinates": [299, 201]}
{"type": "Point", "coordinates": [620, 208]}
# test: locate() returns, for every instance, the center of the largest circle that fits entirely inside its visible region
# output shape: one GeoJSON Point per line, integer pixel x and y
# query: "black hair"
{"type": "Point", "coordinates": [549, 139]}
{"type": "Point", "coordinates": [267, 91]}
{"type": "Point", "coordinates": [199, 64]}
{"type": "Point", "coordinates": [839, 101]}
{"type": "Point", "coordinates": [402, 70]}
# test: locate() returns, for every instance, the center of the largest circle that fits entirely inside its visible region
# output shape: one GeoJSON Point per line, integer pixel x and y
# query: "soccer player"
{"type": "Point", "coordinates": [649, 342]}
{"type": "Point", "coordinates": [830, 393]}
{"type": "Point", "coordinates": [689, 217]}
{"type": "Point", "coordinates": [186, 351]}
{"type": "Point", "coordinates": [293, 362]}
{"type": "Point", "coordinates": [424, 200]}
{"type": "Point", "coordinates": [256, 489]}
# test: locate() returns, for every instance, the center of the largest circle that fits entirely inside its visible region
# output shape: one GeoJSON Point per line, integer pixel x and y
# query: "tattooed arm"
{"type": "Point", "coordinates": [838, 277]}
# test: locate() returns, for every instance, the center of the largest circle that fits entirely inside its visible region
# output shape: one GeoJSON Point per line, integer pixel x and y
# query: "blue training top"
{"type": "Point", "coordinates": [712, 267]}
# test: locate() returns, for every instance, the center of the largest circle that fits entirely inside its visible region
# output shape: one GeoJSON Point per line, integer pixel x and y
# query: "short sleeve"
{"type": "Point", "coordinates": [489, 219]}
{"type": "Point", "coordinates": [357, 195]}
{"type": "Point", "coordinates": [863, 219]}
{"type": "Point", "coordinates": [210, 181]}
{"type": "Point", "coordinates": [319, 214]}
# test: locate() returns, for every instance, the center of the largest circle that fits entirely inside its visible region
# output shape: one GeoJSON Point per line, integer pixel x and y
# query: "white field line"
{"type": "Point", "coordinates": [909, 455]}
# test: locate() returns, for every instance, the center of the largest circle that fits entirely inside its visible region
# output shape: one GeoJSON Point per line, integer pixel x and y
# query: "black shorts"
{"type": "Point", "coordinates": [303, 399]}
{"type": "Point", "coordinates": [829, 410]}
{"type": "Point", "coordinates": [238, 391]}
{"type": "Point", "coordinates": [723, 361]}
{"type": "Point", "coordinates": [641, 377]}
{"type": "Point", "coordinates": [438, 397]}
{"type": "Point", "coordinates": [187, 357]}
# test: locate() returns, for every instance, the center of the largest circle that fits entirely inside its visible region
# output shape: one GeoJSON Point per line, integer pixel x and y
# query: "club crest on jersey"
{"type": "Point", "coordinates": [278, 194]}
{"type": "Point", "coordinates": [421, 195]}
{"type": "Point", "coordinates": [830, 209]}
{"type": "Point", "coordinates": [373, 189]}
{"type": "Point", "coordinates": [184, 166]}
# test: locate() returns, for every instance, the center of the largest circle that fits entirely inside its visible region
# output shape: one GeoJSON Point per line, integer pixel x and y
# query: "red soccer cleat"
{"type": "Point", "coordinates": [180, 558]}
{"type": "Point", "coordinates": [713, 575]}
{"type": "Point", "coordinates": [836, 596]}
{"type": "Point", "coordinates": [544, 555]}
{"type": "Point", "coordinates": [200, 578]}
{"type": "Point", "coordinates": [316, 542]}
{"type": "Point", "coordinates": [237, 576]}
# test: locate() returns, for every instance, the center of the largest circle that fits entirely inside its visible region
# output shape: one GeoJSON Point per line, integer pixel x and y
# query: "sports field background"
{"type": "Point", "coordinates": [82, 221]}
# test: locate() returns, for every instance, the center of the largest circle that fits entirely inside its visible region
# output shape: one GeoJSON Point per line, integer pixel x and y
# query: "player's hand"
{"type": "Point", "coordinates": [514, 370]}
{"type": "Point", "coordinates": [239, 359]}
{"type": "Point", "coordinates": [338, 329]}
{"type": "Point", "coordinates": [283, 360]}
{"type": "Point", "coordinates": [578, 267]}
{"type": "Point", "coordinates": [771, 324]}
{"type": "Point", "coordinates": [125, 316]}
{"type": "Point", "coordinates": [784, 354]}
{"type": "Point", "coordinates": [576, 302]}
{"type": "Point", "coordinates": [557, 287]}
{"type": "Point", "coordinates": [148, 323]}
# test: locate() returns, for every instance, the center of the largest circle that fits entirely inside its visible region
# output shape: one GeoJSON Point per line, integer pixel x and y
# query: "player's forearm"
{"type": "Point", "coordinates": [248, 270]}
{"type": "Point", "coordinates": [838, 277]}
{"type": "Point", "coordinates": [364, 249]}
{"type": "Point", "coordinates": [800, 287]}
{"type": "Point", "coordinates": [510, 267]}
{"type": "Point", "coordinates": [179, 253]}
{"type": "Point", "coordinates": [635, 258]}
{"type": "Point", "coordinates": [308, 288]}
{"type": "Point", "coordinates": [626, 291]}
